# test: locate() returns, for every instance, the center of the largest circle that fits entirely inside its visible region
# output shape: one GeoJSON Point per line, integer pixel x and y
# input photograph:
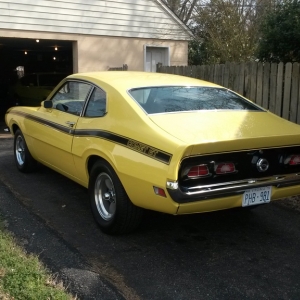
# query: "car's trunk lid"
{"type": "Point", "coordinates": [223, 131]}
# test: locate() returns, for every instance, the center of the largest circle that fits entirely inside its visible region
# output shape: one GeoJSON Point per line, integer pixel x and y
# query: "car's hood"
{"type": "Point", "coordinates": [215, 131]}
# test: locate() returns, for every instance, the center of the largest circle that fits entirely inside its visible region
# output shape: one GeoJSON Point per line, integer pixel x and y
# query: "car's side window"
{"type": "Point", "coordinates": [71, 97]}
{"type": "Point", "coordinates": [97, 104]}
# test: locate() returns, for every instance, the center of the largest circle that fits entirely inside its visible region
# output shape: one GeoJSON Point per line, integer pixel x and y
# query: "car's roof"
{"type": "Point", "coordinates": [130, 79]}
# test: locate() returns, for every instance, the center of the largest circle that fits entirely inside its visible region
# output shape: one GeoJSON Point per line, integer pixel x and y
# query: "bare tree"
{"type": "Point", "coordinates": [184, 9]}
{"type": "Point", "coordinates": [225, 30]}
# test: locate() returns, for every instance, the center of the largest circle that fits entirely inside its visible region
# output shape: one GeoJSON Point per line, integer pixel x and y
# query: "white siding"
{"type": "Point", "coordinates": [127, 18]}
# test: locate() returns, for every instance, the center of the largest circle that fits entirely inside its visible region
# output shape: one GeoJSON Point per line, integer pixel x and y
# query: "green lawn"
{"type": "Point", "coordinates": [22, 276]}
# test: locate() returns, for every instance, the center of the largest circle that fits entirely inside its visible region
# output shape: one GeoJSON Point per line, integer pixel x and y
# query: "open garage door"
{"type": "Point", "coordinates": [20, 56]}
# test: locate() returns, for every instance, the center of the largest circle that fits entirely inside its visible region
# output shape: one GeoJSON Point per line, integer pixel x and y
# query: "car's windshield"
{"type": "Point", "coordinates": [183, 98]}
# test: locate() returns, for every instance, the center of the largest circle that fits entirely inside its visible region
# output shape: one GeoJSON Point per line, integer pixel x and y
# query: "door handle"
{"type": "Point", "coordinates": [71, 124]}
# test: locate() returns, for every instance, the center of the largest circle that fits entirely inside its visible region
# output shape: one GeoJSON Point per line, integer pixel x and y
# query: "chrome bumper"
{"type": "Point", "coordinates": [183, 194]}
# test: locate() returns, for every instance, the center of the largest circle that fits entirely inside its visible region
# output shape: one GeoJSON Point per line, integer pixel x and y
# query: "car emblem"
{"type": "Point", "coordinates": [262, 165]}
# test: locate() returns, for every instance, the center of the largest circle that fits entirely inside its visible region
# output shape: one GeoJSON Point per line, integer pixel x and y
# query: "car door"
{"type": "Point", "coordinates": [90, 127]}
{"type": "Point", "coordinates": [53, 136]}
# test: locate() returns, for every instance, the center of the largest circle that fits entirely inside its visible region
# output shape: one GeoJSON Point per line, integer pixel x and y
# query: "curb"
{"type": "Point", "coordinates": [4, 134]}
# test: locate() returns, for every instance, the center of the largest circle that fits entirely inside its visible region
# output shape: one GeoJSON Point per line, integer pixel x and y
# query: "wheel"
{"type": "Point", "coordinates": [110, 205]}
{"type": "Point", "coordinates": [24, 161]}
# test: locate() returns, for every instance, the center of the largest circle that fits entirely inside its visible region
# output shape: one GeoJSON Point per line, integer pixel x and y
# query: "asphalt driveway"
{"type": "Point", "coordinates": [236, 254]}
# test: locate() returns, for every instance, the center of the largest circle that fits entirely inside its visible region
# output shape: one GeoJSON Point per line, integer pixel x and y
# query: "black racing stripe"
{"type": "Point", "coordinates": [59, 127]}
{"type": "Point", "coordinates": [163, 156]}
{"type": "Point", "coordinates": [134, 145]}
{"type": "Point", "coordinates": [102, 134]}
{"type": "Point", "coordinates": [137, 146]}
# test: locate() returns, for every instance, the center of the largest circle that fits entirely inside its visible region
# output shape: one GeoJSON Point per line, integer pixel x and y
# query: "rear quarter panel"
{"type": "Point", "coordinates": [142, 154]}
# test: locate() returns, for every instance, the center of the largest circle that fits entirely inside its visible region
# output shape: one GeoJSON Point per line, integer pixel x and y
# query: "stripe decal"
{"type": "Point", "coordinates": [128, 143]}
{"type": "Point", "coordinates": [134, 145]}
{"type": "Point", "coordinates": [58, 127]}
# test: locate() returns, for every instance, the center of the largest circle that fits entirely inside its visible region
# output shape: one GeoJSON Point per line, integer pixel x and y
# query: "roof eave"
{"type": "Point", "coordinates": [175, 18]}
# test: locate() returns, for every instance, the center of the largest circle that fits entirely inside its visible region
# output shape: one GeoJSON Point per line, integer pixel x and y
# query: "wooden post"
{"type": "Point", "coordinates": [259, 84]}
{"type": "Point", "coordinates": [279, 84]}
{"type": "Point", "coordinates": [287, 91]}
{"type": "Point", "coordinates": [273, 77]}
{"type": "Point", "coordinates": [266, 86]}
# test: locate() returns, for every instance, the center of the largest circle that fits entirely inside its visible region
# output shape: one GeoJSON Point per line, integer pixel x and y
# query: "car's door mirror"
{"type": "Point", "coordinates": [47, 104]}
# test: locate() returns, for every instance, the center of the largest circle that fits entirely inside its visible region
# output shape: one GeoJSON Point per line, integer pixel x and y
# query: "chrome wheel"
{"type": "Point", "coordinates": [111, 206]}
{"type": "Point", "coordinates": [20, 150]}
{"type": "Point", "coordinates": [105, 196]}
{"type": "Point", "coordinates": [24, 160]}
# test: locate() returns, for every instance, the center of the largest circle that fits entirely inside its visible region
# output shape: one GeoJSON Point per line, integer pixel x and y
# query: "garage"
{"type": "Point", "coordinates": [19, 56]}
{"type": "Point", "coordinates": [79, 36]}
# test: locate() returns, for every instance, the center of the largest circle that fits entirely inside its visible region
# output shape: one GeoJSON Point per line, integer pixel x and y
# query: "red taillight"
{"type": "Point", "coordinates": [198, 171]}
{"type": "Point", "coordinates": [293, 160]}
{"type": "Point", "coordinates": [224, 168]}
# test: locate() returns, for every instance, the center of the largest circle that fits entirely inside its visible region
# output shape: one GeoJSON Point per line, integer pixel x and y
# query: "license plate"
{"type": "Point", "coordinates": [257, 196]}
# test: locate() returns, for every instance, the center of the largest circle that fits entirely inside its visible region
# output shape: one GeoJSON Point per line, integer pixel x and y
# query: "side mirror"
{"type": "Point", "coordinates": [47, 104]}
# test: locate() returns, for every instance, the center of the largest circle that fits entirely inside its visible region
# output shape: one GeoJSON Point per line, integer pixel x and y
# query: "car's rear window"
{"type": "Point", "coordinates": [182, 98]}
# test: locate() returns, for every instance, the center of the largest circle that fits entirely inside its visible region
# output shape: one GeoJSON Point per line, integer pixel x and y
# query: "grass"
{"type": "Point", "coordinates": [22, 276]}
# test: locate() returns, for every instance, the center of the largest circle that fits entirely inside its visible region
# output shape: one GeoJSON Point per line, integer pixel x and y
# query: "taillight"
{"type": "Point", "coordinates": [292, 160]}
{"type": "Point", "coordinates": [224, 168]}
{"type": "Point", "coordinates": [198, 171]}
{"type": "Point", "coordinates": [206, 170]}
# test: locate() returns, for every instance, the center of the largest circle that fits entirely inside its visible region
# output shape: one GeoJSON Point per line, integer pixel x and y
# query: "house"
{"type": "Point", "coordinates": [77, 36]}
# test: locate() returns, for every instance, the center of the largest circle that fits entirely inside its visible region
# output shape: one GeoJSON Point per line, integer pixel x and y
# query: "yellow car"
{"type": "Point", "coordinates": [34, 88]}
{"type": "Point", "coordinates": [161, 142]}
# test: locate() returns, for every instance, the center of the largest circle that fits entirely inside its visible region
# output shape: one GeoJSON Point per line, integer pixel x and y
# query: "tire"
{"type": "Point", "coordinates": [110, 205]}
{"type": "Point", "coordinates": [24, 161]}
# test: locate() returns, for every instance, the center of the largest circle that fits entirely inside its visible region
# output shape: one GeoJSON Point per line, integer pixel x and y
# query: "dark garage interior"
{"type": "Point", "coordinates": [19, 56]}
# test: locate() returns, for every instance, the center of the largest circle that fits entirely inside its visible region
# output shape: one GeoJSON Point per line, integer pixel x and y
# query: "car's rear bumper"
{"type": "Point", "coordinates": [231, 201]}
{"type": "Point", "coordinates": [233, 188]}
